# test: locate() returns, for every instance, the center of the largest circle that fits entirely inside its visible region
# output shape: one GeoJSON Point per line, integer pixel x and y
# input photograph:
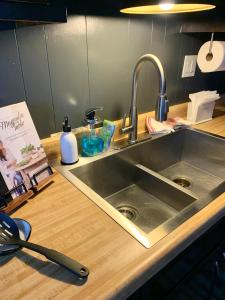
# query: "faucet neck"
{"type": "Point", "coordinates": [162, 102]}
{"type": "Point", "coordinates": [156, 62]}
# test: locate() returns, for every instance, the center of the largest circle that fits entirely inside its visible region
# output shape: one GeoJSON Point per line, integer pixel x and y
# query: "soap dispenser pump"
{"type": "Point", "coordinates": [91, 143]}
{"type": "Point", "coordinates": [68, 145]}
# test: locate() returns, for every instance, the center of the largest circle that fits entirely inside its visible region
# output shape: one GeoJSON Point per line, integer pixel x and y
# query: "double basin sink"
{"type": "Point", "coordinates": [153, 187]}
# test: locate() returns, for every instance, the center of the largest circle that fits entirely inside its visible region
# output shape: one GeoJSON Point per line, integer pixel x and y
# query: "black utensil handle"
{"type": "Point", "coordinates": [58, 258]}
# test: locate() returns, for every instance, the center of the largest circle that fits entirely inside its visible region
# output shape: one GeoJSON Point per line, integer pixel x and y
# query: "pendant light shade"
{"type": "Point", "coordinates": [167, 7]}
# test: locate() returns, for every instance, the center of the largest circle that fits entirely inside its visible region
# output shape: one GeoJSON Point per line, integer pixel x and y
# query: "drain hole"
{"type": "Point", "coordinates": [184, 182]}
{"type": "Point", "coordinates": [127, 211]}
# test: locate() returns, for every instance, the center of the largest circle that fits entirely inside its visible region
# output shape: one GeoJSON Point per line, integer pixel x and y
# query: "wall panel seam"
{"type": "Point", "coordinates": [88, 67]}
{"type": "Point", "coordinates": [20, 63]}
{"type": "Point", "coordinates": [49, 75]}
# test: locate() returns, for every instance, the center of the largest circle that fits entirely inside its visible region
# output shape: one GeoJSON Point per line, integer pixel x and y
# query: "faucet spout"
{"type": "Point", "coordinates": [162, 104]}
{"type": "Point", "coordinates": [156, 62]}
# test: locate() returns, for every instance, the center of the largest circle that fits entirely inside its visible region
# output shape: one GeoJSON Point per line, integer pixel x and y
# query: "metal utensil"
{"type": "Point", "coordinates": [9, 235]}
{"type": "Point", "coordinates": [209, 56]}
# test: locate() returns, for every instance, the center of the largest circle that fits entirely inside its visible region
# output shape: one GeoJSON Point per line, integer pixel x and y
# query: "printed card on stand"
{"type": "Point", "coordinates": [21, 152]}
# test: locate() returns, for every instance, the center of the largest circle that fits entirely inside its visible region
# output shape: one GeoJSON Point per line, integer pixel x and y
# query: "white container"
{"type": "Point", "coordinates": [201, 113]}
{"type": "Point", "coordinates": [68, 145]}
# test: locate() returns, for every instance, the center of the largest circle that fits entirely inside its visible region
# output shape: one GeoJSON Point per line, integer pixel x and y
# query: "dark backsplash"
{"type": "Point", "coordinates": [62, 69]}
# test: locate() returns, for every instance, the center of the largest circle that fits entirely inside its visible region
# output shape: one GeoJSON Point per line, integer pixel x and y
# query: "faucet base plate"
{"type": "Point", "coordinates": [117, 145]}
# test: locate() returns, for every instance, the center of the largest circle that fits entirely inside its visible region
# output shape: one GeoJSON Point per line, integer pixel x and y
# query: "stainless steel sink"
{"type": "Point", "coordinates": [153, 187]}
{"type": "Point", "coordinates": [190, 158]}
{"type": "Point", "coordinates": [142, 196]}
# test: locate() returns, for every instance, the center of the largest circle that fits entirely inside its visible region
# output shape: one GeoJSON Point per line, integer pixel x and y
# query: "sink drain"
{"type": "Point", "coordinates": [127, 211]}
{"type": "Point", "coordinates": [182, 181]}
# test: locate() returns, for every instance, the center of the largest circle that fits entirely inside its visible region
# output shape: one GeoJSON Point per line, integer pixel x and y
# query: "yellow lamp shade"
{"type": "Point", "coordinates": [167, 8]}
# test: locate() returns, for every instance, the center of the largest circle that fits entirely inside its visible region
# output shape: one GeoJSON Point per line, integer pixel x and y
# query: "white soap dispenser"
{"type": "Point", "coordinates": [68, 145]}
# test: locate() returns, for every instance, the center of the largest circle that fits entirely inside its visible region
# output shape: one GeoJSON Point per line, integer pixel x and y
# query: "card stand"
{"type": "Point", "coordinates": [9, 206]}
{"type": "Point", "coordinates": [37, 184]}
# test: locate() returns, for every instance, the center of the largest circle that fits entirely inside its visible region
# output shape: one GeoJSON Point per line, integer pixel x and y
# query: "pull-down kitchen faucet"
{"type": "Point", "coordinates": [162, 105]}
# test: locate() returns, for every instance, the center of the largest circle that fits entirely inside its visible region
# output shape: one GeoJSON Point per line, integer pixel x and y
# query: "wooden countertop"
{"type": "Point", "coordinates": [66, 220]}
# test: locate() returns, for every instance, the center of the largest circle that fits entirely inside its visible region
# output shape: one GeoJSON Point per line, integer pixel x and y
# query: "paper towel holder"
{"type": "Point", "coordinates": [209, 56]}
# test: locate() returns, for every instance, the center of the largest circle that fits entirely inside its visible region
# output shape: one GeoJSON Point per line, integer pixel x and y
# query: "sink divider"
{"type": "Point", "coordinates": [166, 180]}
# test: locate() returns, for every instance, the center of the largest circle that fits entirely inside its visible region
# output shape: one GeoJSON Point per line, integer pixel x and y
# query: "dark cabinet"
{"type": "Point", "coordinates": [206, 281]}
{"type": "Point", "coordinates": [33, 11]}
{"type": "Point", "coordinates": [196, 274]}
{"type": "Point", "coordinates": [28, 1]}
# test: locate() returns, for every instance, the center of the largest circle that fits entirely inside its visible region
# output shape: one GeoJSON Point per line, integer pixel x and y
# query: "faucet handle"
{"type": "Point", "coordinates": [125, 129]}
{"type": "Point", "coordinates": [124, 121]}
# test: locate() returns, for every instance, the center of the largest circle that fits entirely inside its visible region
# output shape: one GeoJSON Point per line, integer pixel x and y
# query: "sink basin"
{"type": "Point", "coordinates": [142, 196]}
{"type": "Point", "coordinates": [153, 187]}
{"type": "Point", "coordinates": [190, 158]}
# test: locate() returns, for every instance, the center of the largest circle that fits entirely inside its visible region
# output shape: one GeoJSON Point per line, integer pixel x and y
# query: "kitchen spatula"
{"type": "Point", "coordinates": [9, 235]}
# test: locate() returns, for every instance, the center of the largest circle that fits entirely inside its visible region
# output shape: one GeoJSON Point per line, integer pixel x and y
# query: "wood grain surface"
{"type": "Point", "coordinates": [18, 201]}
{"type": "Point", "coordinates": [64, 219]}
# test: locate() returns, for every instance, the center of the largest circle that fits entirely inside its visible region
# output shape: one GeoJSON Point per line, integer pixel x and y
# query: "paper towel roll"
{"type": "Point", "coordinates": [216, 61]}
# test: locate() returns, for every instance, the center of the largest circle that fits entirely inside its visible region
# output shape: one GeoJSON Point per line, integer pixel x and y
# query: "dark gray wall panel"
{"type": "Point", "coordinates": [187, 44]}
{"type": "Point", "coordinates": [153, 33]}
{"type": "Point", "coordinates": [109, 64]}
{"type": "Point", "coordinates": [62, 69]}
{"type": "Point", "coordinates": [158, 49]}
{"type": "Point", "coordinates": [171, 57]}
{"type": "Point", "coordinates": [33, 56]}
{"type": "Point", "coordinates": [67, 54]}
{"type": "Point", "coordinates": [11, 81]}
{"type": "Point", "coordinates": [114, 46]}
{"type": "Point", "coordinates": [159, 36]}
{"type": "Point", "coordinates": [140, 38]}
